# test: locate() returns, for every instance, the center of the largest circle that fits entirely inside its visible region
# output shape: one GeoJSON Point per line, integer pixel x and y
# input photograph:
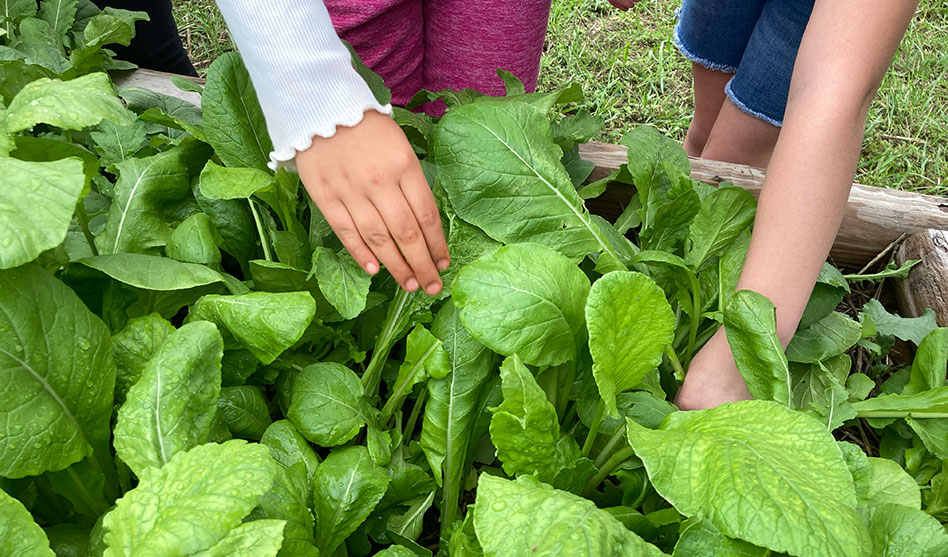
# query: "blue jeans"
{"type": "Point", "coordinates": [756, 40]}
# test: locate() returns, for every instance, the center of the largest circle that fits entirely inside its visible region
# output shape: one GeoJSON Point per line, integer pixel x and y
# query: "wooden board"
{"type": "Point", "coordinates": [927, 284]}
{"type": "Point", "coordinates": [875, 217]}
{"type": "Point", "coordinates": [159, 82]}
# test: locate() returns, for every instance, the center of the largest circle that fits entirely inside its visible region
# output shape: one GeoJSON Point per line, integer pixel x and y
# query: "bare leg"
{"type": "Point", "coordinates": [709, 95]}
{"type": "Point", "coordinates": [740, 138]}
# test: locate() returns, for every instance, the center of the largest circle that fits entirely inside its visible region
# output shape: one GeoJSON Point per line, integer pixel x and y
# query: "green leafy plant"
{"type": "Point", "coordinates": [192, 365]}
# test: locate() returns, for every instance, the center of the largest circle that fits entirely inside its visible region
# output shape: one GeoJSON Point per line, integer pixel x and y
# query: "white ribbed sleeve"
{"type": "Point", "coordinates": [300, 69]}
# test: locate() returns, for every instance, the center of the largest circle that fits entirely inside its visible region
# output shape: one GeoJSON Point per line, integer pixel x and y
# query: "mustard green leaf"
{"type": "Point", "coordinates": [287, 500]}
{"type": "Point", "coordinates": [172, 406]}
{"type": "Point", "coordinates": [191, 503]}
{"type": "Point", "coordinates": [341, 280]}
{"type": "Point", "coordinates": [750, 323]}
{"type": "Point", "coordinates": [722, 217]}
{"type": "Point", "coordinates": [630, 324]}
{"type": "Point", "coordinates": [70, 105]}
{"type": "Point", "coordinates": [524, 299]}
{"type": "Point", "coordinates": [265, 323]}
{"type": "Point", "coordinates": [38, 200]}
{"type": "Point", "coordinates": [738, 466]}
{"type": "Point", "coordinates": [245, 411]}
{"type": "Point", "coordinates": [289, 447]}
{"type": "Point", "coordinates": [348, 486]}
{"type": "Point", "coordinates": [218, 182]}
{"type": "Point", "coordinates": [57, 371]}
{"type": "Point", "coordinates": [931, 361]}
{"type": "Point", "coordinates": [328, 405]}
{"type": "Point", "coordinates": [830, 336]}
{"type": "Point", "coordinates": [151, 272]}
{"type": "Point", "coordinates": [502, 172]}
{"type": "Point", "coordinates": [524, 517]}
{"type": "Point", "coordinates": [195, 241]}
{"type": "Point", "coordinates": [20, 535]}
{"type": "Point", "coordinates": [259, 538]}
{"type": "Point", "coordinates": [902, 531]}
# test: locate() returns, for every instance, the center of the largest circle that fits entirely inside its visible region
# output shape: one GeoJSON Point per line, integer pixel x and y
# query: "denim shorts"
{"type": "Point", "coordinates": [756, 40]}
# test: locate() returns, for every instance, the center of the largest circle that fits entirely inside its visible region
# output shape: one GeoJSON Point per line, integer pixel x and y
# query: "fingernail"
{"type": "Point", "coordinates": [372, 268]}
{"type": "Point", "coordinates": [433, 288]}
{"type": "Point", "coordinates": [411, 285]}
{"type": "Point", "coordinates": [443, 264]}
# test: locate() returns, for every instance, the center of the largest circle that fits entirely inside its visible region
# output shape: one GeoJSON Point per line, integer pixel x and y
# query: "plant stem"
{"type": "Point", "coordinates": [413, 417]}
{"type": "Point", "coordinates": [610, 447]}
{"type": "Point", "coordinates": [84, 225]}
{"type": "Point", "coordinates": [84, 491]}
{"type": "Point", "coordinates": [594, 428]}
{"type": "Point", "coordinates": [383, 343]}
{"type": "Point", "coordinates": [263, 237]}
{"type": "Point", "coordinates": [675, 363]}
{"type": "Point", "coordinates": [696, 304]}
{"type": "Point", "coordinates": [615, 460]}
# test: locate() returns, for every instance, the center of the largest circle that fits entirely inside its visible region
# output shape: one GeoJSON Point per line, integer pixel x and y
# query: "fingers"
{"type": "Point", "coordinates": [404, 228]}
{"type": "Point", "coordinates": [345, 228]}
{"type": "Point", "coordinates": [375, 233]}
{"type": "Point", "coordinates": [417, 193]}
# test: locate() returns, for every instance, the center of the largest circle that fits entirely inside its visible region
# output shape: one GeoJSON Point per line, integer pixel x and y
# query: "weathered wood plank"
{"type": "Point", "coordinates": [927, 284]}
{"type": "Point", "coordinates": [159, 82]}
{"type": "Point", "coordinates": [874, 218]}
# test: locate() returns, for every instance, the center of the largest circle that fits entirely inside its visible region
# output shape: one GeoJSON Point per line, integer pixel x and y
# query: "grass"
{"type": "Point", "coordinates": [633, 74]}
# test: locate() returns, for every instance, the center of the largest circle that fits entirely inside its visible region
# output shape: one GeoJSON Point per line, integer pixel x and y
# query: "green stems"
{"type": "Point", "coordinates": [913, 415]}
{"type": "Point", "coordinates": [394, 321]}
{"type": "Point", "coordinates": [84, 225]}
{"type": "Point", "coordinates": [696, 304]}
{"type": "Point", "coordinates": [610, 447]}
{"type": "Point", "coordinates": [675, 363]}
{"type": "Point", "coordinates": [615, 460]}
{"type": "Point", "coordinates": [263, 237]}
{"type": "Point", "coordinates": [594, 428]}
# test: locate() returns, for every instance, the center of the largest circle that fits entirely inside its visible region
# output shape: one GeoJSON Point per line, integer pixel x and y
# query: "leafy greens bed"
{"type": "Point", "coordinates": [191, 365]}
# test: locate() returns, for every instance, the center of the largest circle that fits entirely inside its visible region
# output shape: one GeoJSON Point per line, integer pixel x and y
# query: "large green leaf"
{"type": "Point", "coordinates": [524, 299]}
{"type": "Point", "coordinates": [288, 447]}
{"type": "Point", "coordinates": [750, 323]}
{"type": "Point", "coordinates": [259, 538]}
{"type": "Point", "coordinates": [502, 171]}
{"type": "Point", "coordinates": [830, 336]}
{"type": "Point", "coordinates": [233, 121]}
{"type": "Point", "coordinates": [20, 535]}
{"type": "Point", "coordinates": [723, 215]}
{"type": "Point", "coordinates": [820, 390]}
{"type": "Point", "coordinates": [928, 368]}
{"type": "Point", "coordinates": [245, 411]}
{"type": "Point", "coordinates": [699, 537]}
{"type": "Point", "coordinates": [12, 11]}
{"type": "Point", "coordinates": [151, 272]}
{"type": "Point", "coordinates": [171, 408]}
{"type": "Point", "coordinates": [59, 14]}
{"type": "Point", "coordinates": [912, 329]}
{"type": "Point", "coordinates": [630, 324]}
{"type": "Point", "coordinates": [38, 199]}
{"type": "Point", "coordinates": [348, 486]}
{"type": "Point", "coordinates": [134, 346]}
{"type": "Point", "coordinates": [739, 466]}
{"type": "Point", "coordinates": [287, 500]}
{"type": "Point", "coordinates": [341, 280]}
{"type": "Point", "coordinates": [218, 182]}
{"type": "Point", "coordinates": [143, 190]}
{"type": "Point", "coordinates": [71, 105]}
{"type": "Point", "coordinates": [525, 518]}
{"type": "Point", "coordinates": [902, 531]}
{"type": "Point", "coordinates": [934, 401]}
{"type": "Point", "coordinates": [328, 405]}
{"type": "Point", "coordinates": [526, 432]}
{"type": "Point", "coordinates": [57, 374]}
{"type": "Point", "coordinates": [195, 241]}
{"type": "Point", "coordinates": [449, 412]}
{"type": "Point", "coordinates": [265, 323]}
{"type": "Point", "coordinates": [117, 143]}
{"type": "Point", "coordinates": [890, 483]}
{"type": "Point", "coordinates": [191, 503]}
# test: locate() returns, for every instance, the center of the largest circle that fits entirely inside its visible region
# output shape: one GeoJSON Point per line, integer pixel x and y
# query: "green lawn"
{"type": "Point", "coordinates": [632, 74]}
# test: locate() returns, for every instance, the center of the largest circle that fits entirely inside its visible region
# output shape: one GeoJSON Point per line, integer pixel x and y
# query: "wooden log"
{"type": "Point", "coordinates": [927, 284]}
{"type": "Point", "coordinates": [159, 82]}
{"type": "Point", "coordinates": [874, 217]}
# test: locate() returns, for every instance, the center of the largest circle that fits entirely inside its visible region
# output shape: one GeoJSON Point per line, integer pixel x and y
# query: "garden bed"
{"type": "Point", "coordinates": [192, 364]}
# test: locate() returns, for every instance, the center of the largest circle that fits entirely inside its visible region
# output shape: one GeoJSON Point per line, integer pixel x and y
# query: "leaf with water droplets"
{"type": "Point", "coordinates": [56, 375]}
{"type": "Point", "coordinates": [20, 536]}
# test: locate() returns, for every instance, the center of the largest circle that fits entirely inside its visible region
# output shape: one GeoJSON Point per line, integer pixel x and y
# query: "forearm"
{"type": "Point", "coordinates": [838, 69]}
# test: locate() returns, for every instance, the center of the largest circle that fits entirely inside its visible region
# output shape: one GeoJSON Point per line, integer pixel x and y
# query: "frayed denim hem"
{"type": "Point", "coordinates": [748, 110]}
{"type": "Point", "coordinates": [703, 62]}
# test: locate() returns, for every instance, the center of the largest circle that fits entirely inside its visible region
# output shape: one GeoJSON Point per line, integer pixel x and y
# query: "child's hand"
{"type": "Point", "coordinates": [624, 4]}
{"type": "Point", "coordinates": [370, 187]}
{"type": "Point", "coordinates": [712, 377]}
